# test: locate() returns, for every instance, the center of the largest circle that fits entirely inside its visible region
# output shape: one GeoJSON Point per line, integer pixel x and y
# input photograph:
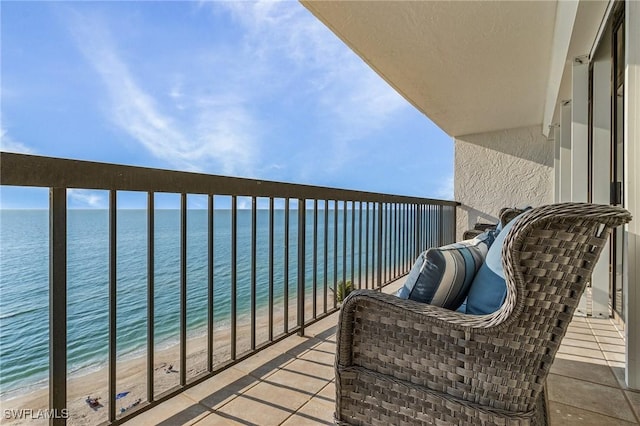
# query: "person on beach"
{"type": "Point", "coordinates": [93, 402]}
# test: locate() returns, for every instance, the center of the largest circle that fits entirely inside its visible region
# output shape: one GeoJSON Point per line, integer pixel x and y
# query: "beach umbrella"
{"type": "Point", "coordinates": [122, 395]}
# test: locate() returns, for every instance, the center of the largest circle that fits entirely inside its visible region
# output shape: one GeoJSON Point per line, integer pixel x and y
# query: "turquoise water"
{"type": "Point", "coordinates": [24, 281]}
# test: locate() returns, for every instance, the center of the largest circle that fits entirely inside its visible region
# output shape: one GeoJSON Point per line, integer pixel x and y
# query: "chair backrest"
{"type": "Point", "coordinates": [548, 258]}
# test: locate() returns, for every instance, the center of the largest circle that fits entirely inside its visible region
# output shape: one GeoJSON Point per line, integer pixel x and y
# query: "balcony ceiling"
{"type": "Point", "coordinates": [471, 67]}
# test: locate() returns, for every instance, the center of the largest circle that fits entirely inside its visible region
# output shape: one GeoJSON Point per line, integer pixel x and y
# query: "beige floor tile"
{"type": "Point", "coordinates": [634, 400]}
{"type": "Point", "coordinates": [309, 367]}
{"type": "Point", "coordinates": [327, 394]}
{"type": "Point", "coordinates": [614, 348]}
{"type": "Point", "coordinates": [584, 359]}
{"type": "Point", "coordinates": [610, 340]}
{"type": "Point", "coordinates": [606, 333]}
{"type": "Point", "coordinates": [314, 412]}
{"type": "Point", "coordinates": [300, 376]}
{"type": "Point", "coordinates": [586, 344]}
{"type": "Point", "coordinates": [617, 364]}
{"type": "Point", "coordinates": [589, 396]}
{"type": "Point", "coordinates": [325, 353]}
{"type": "Point", "coordinates": [264, 404]}
{"type": "Point", "coordinates": [579, 323]}
{"type": "Point", "coordinates": [583, 352]}
{"type": "Point", "coordinates": [322, 328]}
{"type": "Point", "coordinates": [614, 356]}
{"type": "Point", "coordinates": [601, 324]}
{"type": "Point", "coordinates": [177, 410]}
{"type": "Point", "coordinates": [295, 345]}
{"type": "Point", "coordinates": [588, 371]}
{"type": "Point", "coordinates": [264, 363]}
{"type": "Point", "coordinates": [588, 337]}
{"type": "Point", "coordinates": [215, 419]}
{"type": "Point", "coordinates": [560, 415]}
{"type": "Point", "coordinates": [221, 388]}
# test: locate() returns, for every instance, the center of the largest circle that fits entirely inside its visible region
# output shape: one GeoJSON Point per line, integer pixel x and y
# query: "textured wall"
{"type": "Point", "coordinates": [507, 168]}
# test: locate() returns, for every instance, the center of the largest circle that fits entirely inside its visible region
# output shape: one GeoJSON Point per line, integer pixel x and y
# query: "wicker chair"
{"type": "Point", "coordinates": [400, 362]}
{"type": "Point", "coordinates": [506, 215]}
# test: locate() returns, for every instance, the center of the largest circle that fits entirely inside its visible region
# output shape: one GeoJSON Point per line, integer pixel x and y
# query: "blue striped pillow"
{"type": "Point", "coordinates": [442, 276]}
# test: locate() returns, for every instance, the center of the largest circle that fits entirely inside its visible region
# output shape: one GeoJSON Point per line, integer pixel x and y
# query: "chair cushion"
{"type": "Point", "coordinates": [489, 288]}
{"type": "Point", "coordinates": [442, 276]}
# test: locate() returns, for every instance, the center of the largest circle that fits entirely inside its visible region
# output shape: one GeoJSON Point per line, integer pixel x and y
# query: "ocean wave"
{"type": "Point", "coordinates": [7, 315]}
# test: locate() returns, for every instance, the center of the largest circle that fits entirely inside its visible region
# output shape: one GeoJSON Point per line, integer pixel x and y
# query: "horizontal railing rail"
{"type": "Point", "coordinates": [31, 170]}
{"type": "Point", "coordinates": [326, 237]}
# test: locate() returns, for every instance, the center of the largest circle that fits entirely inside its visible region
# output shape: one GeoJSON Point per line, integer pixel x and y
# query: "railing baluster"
{"type": "Point", "coordinates": [335, 253]}
{"type": "Point", "coordinates": [441, 226]}
{"type": "Point", "coordinates": [286, 265]}
{"type": "Point", "coordinates": [302, 231]}
{"type": "Point", "coordinates": [315, 257]}
{"type": "Point", "coordinates": [254, 252]}
{"type": "Point", "coordinates": [360, 245]}
{"type": "Point", "coordinates": [380, 241]}
{"type": "Point", "coordinates": [395, 240]}
{"type": "Point", "coordinates": [183, 289]}
{"type": "Point", "coordinates": [58, 303]}
{"type": "Point", "coordinates": [366, 254]}
{"type": "Point", "coordinates": [210, 279]}
{"type": "Point", "coordinates": [344, 243]}
{"type": "Point", "coordinates": [150, 292]}
{"type": "Point", "coordinates": [271, 207]}
{"type": "Point", "coordinates": [353, 230]}
{"type": "Point", "coordinates": [112, 302]}
{"type": "Point", "coordinates": [234, 273]}
{"type": "Point", "coordinates": [326, 252]}
{"type": "Point", "coordinates": [385, 248]}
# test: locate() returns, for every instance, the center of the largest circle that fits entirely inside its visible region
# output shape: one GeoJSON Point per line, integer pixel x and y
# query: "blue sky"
{"type": "Point", "coordinates": [249, 89]}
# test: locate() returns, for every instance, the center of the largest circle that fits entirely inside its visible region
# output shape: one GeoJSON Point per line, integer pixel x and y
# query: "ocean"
{"type": "Point", "coordinates": [24, 281]}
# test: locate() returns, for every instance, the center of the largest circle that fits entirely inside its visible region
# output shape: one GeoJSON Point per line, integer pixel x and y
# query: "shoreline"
{"type": "Point", "coordinates": [132, 373]}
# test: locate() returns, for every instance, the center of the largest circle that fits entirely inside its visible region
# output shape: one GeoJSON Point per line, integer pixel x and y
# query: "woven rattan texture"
{"type": "Point", "coordinates": [403, 362]}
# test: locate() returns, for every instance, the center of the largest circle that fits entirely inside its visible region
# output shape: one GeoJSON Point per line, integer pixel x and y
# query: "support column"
{"type": "Point", "coordinates": [601, 168]}
{"type": "Point", "coordinates": [579, 141]}
{"type": "Point", "coordinates": [556, 163]}
{"type": "Point", "coordinates": [579, 129]}
{"type": "Point", "coordinates": [565, 151]}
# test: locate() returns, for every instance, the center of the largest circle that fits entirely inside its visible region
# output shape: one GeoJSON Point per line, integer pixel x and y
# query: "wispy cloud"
{"type": "Point", "coordinates": [352, 100]}
{"type": "Point", "coordinates": [7, 144]}
{"type": "Point", "coordinates": [221, 123]}
{"type": "Point", "coordinates": [79, 198]}
{"type": "Point", "coordinates": [219, 136]}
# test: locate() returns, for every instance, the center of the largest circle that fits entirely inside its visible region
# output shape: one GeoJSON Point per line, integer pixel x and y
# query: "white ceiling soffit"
{"type": "Point", "coordinates": [471, 67]}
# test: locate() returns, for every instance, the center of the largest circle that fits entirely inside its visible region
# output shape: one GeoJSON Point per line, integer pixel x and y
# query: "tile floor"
{"type": "Point", "coordinates": [291, 384]}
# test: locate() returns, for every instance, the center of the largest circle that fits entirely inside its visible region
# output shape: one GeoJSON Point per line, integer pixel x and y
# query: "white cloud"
{"type": "Point", "coordinates": [353, 100]}
{"type": "Point", "coordinates": [220, 136]}
{"type": "Point", "coordinates": [7, 144]}
{"type": "Point", "coordinates": [86, 198]}
{"type": "Point", "coordinates": [209, 122]}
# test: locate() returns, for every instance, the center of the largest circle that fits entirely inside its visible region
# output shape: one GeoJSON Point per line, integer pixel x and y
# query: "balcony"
{"type": "Point", "coordinates": [292, 383]}
{"type": "Point", "coordinates": [269, 360]}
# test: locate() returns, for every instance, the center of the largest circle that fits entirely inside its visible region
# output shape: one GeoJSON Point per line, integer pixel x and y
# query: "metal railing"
{"type": "Point", "coordinates": [339, 235]}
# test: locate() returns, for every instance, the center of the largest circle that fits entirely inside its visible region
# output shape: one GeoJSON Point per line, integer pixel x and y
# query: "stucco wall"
{"type": "Point", "coordinates": [507, 168]}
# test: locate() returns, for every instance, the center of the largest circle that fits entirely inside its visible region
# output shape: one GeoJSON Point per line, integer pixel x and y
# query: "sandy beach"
{"type": "Point", "coordinates": [132, 373]}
